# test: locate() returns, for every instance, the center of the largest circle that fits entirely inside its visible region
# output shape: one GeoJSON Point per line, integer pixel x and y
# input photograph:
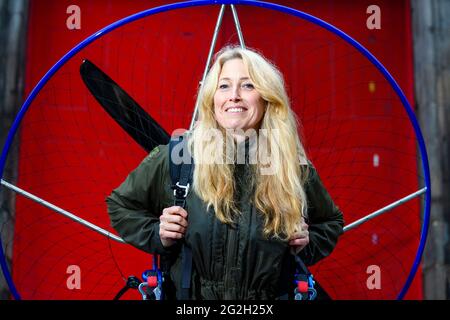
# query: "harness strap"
{"type": "Point", "coordinates": [304, 282]}
{"type": "Point", "coordinates": [181, 176]}
{"type": "Point", "coordinates": [301, 265]}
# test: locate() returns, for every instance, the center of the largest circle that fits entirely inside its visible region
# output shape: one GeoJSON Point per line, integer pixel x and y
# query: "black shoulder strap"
{"type": "Point", "coordinates": [181, 176]}
{"type": "Point", "coordinates": [301, 266]}
{"type": "Point", "coordinates": [180, 172]}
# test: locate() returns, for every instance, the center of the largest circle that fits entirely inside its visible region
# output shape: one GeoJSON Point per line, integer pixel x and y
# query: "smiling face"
{"type": "Point", "coordinates": [237, 104]}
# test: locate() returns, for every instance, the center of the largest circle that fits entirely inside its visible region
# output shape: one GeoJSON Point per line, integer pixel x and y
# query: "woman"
{"type": "Point", "coordinates": [243, 223]}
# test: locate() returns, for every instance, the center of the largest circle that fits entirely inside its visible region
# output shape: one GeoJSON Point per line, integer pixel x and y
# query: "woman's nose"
{"type": "Point", "coordinates": [235, 94]}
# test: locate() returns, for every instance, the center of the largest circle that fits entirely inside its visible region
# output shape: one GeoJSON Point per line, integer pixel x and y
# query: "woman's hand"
{"type": "Point", "coordinates": [172, 226]}
{"type": "Point", "coordinates": [300, 239]}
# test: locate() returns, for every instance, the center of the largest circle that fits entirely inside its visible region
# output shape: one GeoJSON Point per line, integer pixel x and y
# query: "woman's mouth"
{"type": "Point", "coordinates": [235, 109]}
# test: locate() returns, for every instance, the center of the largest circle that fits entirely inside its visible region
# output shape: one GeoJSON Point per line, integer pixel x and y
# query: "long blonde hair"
{"type": "Point", "coordinates": [280, 197]}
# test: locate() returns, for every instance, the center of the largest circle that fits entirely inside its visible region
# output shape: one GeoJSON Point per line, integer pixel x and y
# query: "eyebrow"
{"type": "Point", "coordinates": [229, 79]}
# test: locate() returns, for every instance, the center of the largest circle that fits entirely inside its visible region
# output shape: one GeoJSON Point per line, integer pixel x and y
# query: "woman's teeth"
{"type": "Point", "coordinates": [234, 110]}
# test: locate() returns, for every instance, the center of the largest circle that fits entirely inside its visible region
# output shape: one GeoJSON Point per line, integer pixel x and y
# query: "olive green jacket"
{"type": "Point", "coordinates": [229, 261]}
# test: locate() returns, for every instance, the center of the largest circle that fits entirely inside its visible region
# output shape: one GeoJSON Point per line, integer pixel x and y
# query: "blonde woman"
{"type": "Point", "coordinates": [256, 201]}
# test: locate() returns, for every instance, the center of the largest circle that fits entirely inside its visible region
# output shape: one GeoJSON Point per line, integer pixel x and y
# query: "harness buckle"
{"type": "Point", "coordinates": [180, 191]}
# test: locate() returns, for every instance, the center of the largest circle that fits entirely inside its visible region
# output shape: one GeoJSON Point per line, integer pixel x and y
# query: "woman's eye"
{"type": "Point", "coordinates": [223, 86]}
{"type": "Point", "coordinates": [248, 86]}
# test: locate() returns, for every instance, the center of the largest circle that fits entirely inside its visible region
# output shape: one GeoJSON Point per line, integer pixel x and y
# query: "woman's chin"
{"type": "Point", "coordinates": [234, 126]}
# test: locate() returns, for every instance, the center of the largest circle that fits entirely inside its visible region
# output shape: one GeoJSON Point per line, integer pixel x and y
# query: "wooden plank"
{"type": "Point", "coordinates": [13, 21]}
{"type": "Point", "coordinates": [431, 28]}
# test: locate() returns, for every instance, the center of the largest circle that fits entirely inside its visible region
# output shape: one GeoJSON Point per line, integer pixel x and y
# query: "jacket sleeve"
{"type": "Point", "coordinates": [325, 221]}
{"type": "Point", "coordinates": [135, 206]}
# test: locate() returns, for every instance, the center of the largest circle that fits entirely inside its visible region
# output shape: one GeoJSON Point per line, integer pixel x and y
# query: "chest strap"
{"type": "Point", "coordinates": [181, 176]}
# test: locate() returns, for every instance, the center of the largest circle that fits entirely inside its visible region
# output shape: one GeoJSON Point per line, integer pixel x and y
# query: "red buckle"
{"type": "Point", "coordinates": [302, 286]}
{"type": "Point", "coordinates": [152, 281]}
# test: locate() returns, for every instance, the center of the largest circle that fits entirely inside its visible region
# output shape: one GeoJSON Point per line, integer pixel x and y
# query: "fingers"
{"type": "Point", "coordinates": [173, 224]}
{"type": "Point", "coordinates": [172, 227]}
{"type": "Point", "coordinates": [169, 219]}
{"type": "Point", "coordinates": [304, 225]}
{"type": "Point", "coordinates": [299, 239]}
{"type": "Point", "coordinates": [299, 242]}
{"type": "Point", "coordinates": [169, 235]}
{"type": "Point", "coordinates": [300, 235]}
{"type": "Point", "coordinates": [175, 210]}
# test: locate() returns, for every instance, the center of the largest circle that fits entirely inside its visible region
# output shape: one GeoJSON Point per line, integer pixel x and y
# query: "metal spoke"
{"type": "Point", "coordinates": [208, 62]}
{"type": "Point", "coordinates": [62, 211]}
{"type": "Point", "coordinates": [383, 210]}
{"type": "Point", "coordinates": [238, 26]}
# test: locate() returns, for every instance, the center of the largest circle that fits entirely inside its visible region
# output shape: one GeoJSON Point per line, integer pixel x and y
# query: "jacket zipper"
{"type": "Point", "coordinates": [230, 276]}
